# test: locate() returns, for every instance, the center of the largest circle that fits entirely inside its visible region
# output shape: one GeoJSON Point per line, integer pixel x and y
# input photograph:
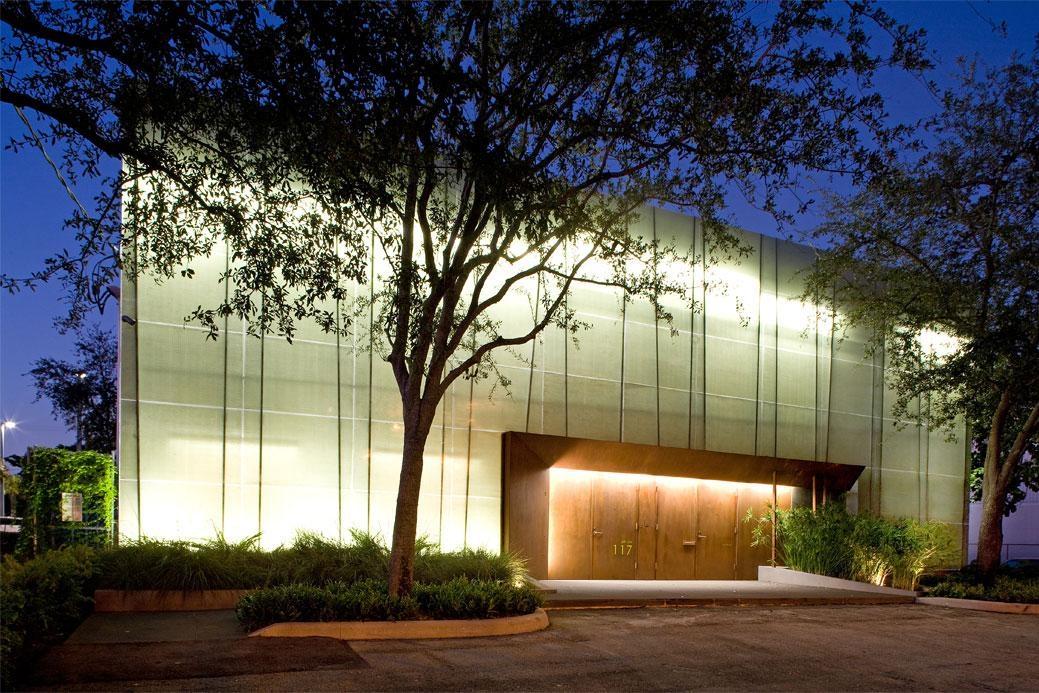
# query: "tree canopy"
{"type": "Point", "coordinates": [83, 393]}
{"type": "Point", "coordinates": [939, 259]}
{"type": "Point", "coordinates": [471, 149]}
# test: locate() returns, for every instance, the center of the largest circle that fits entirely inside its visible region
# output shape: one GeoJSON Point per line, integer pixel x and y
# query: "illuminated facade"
{"type": "Point", "coordinates": [244, 435]}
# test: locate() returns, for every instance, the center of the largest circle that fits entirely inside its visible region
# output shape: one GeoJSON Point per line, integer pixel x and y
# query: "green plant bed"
{"type": "Point", "coordinates": [310, 560]}
{"type": "Point", "coordinates": [1005, 588]}
{"type": "Point", "coordinates": [368, 600]}
{"type": "Point", "coordinates": [878, 550]}
{"type": "Point", "coordinates": [42, 602]}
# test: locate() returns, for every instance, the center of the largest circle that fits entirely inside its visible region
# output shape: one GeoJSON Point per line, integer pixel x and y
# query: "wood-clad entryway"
{"type": "Point", "coordinates": [631, 526]}
{"type": "Point", "coordinates": [582, 509]}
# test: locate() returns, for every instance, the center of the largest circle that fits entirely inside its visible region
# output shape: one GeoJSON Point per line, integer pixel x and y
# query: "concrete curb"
{"type": "Point", "coordinates": [693, 602]}
{"type": "Point", "coordinates": [108, 601]}
{"type": "Point", "coordinates": [407, 630]}
{"type": "Point", "coordinates": [786, 576]}
{"type": "Point", "coordinates": [981, 605]}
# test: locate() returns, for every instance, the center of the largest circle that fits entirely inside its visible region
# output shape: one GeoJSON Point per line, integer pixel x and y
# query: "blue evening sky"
{"type": "Point", "coordinates": [33, 205]}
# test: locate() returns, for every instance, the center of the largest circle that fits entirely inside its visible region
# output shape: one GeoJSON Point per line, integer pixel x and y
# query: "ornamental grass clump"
{"type": "Point", "coordinates": [369, 600]}
{"type": "Point", "coordinates": [150, 564]}
{"type": "Point", "coordinates": [311, 559]}
{"type": "Point", "coordinates": [830, 541]}
{"type": "Point", "coordinates": [817, 542]}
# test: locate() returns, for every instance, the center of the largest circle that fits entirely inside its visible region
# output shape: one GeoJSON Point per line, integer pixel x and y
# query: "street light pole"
{"type": "Point", "coordinates": [3, 459]}
{"type": "Point", "coordinates": [79, 412]}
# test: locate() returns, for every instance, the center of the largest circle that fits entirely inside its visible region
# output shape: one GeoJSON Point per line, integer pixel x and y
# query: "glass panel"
{"type": "Point", "coordinates": [732, 368]}
{"type": "Point", "coordinates": [796, 432]}
{"type": "Point", "coordinates": [674, 418]}
{"type": "Point", "coordinates": [640, 414]}
{"type": "Point", "coordinates": [640, 354]}
{"type": "Point", "coordinates": [594, 408]}
{"type": "Point", "coordinates": [181, 367]}
{"type": "Point", "coordinates": [900, 493]}
{"type": "Point", "coordinates": [730, 425]}
{"type": "Point", "coordinates": [901, 446]}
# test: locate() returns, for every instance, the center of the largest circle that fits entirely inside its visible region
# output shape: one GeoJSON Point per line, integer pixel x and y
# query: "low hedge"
{"type": "Point", "coordinates": [43, 601]}
{"type": "Point", "coordinates": [368, 600]}
{"type": "Point", "coordinates": [1004, 588]}
{"type": "Point", "coordinates": [311, 559]}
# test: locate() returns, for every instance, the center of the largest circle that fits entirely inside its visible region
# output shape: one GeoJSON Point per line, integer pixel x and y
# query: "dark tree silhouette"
{"type": "Point", "coordinates": [83, 393]}
{"type": "Point", "coordinates": [475, 150]}
{"type": "Point", "coordinates": [949, 245]}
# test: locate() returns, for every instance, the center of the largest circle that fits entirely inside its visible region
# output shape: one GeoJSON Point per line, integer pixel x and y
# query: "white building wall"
{"type": "Point", "coordinates": [244, 435]}
{"type": "Point", "coordinates": [1020, 530]}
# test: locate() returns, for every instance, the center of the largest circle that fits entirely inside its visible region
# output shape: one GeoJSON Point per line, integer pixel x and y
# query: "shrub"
{"type": "Point", "coordinates": [183, 565]}
{"type": "Point", "coordinates": [310, 559]}
{"type": "Point", "coordinates": [817, 542]}
{"type": "Point", "coordinates": [49, 472]}
{"type": "Point", "coordinates": [1008, 586]}
{"type": "Point", "coordinates": [831, 542]}
{"type": "Point", "coordinates": [44, 599]}
{"type": "Point", "coordinates": [465, 598]}
{"type": "Point", "coordinates": [1003, 589]}
{"type": "Point", "coordinates": [368, 600]}
{"type": "Point", "coordinates": [918, 547]}
{"type": "Point", "coordinates": [435, 566]}
{"type": "Point", "coordinates": [873, 549]}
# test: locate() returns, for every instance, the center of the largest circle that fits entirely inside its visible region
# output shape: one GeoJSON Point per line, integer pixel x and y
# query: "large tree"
{"type": "Point", "coordinates": [83, 392]}
{"type": "Point", "coordinates": [940, 259]}
{"type": "Point", "coordinates": [474, 149]}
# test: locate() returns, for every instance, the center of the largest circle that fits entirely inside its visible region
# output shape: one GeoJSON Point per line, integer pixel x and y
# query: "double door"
{"type": "Point", "coordinates": [612, 527]}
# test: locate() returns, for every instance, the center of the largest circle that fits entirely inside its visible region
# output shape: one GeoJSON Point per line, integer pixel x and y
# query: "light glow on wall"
{"type": "Point", "coordinates": [564, 475]}
{"type": "Point", "coordinates": [327, 413]}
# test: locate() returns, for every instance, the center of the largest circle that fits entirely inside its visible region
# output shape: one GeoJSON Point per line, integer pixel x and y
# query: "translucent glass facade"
{"type": "Point", "coordinates": [244, 435]}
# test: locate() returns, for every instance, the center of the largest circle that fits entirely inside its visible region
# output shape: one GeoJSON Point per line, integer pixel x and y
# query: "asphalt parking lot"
{"type": "Point", "coordinates": [889, 647]}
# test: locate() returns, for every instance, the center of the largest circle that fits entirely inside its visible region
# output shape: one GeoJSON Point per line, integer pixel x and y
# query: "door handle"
{"type": "Point", "coordinates": [701, 536]}
{"type": "Point", "coordinates": [596, 532]}
{"type": "Point", "coordinates": [687, 542]}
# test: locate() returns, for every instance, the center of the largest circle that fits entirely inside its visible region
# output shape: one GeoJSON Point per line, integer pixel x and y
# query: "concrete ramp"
{"type": "Point", "coordinates": [578, 594]}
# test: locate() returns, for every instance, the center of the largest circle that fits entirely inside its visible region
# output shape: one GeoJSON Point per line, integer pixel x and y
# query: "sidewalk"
{"type": "Point", "coordinates": [630, 593]}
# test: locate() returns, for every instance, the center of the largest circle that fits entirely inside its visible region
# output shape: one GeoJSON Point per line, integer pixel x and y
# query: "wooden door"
{"type": "Point", "coordinates": [717, 533]}
{"type": "Point", "coordinates": [570, 527]}
{"type": "Point", "coordinates": [677, 529]}
{"type": "Point", "coordinates": [646, 541]}
{"type": "Point", "coordinates": [614, 527]}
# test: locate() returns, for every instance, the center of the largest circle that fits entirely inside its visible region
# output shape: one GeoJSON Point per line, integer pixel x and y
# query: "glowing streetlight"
{"type": "Point", "coordinates": [4, 426]}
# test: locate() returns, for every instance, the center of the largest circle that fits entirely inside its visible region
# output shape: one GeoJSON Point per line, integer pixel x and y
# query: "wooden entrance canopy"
{"type": "Point", "coordinates": [528, 457]}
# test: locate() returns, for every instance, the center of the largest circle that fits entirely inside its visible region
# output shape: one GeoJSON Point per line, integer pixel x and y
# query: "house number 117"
{"type": "Point", "coordinates": [623, 548]}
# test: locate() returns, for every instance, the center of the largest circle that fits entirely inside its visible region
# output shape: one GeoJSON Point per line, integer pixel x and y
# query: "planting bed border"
{"type": "Point", "coordinates": [981, 605]}
{"type": "Point", "coordinates": [109, 601]}
{"type": "Point", "coordinates": [788, 576]}
{"type": "Point", "coordinates": [408, 630]}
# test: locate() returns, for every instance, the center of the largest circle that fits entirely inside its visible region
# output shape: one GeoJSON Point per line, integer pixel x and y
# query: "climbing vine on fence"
{"type": "Point", "coordinates": [47, 474]}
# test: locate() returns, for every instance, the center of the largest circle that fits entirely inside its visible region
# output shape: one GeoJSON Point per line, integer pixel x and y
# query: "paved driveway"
{"type": "Point", "coordinates": [790, 648]}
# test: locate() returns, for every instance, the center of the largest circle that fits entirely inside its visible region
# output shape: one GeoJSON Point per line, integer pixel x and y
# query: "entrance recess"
{"type": "Point", "coordinates": [583, 509]}
{"type": "Point", "coordinates": [608, 526]}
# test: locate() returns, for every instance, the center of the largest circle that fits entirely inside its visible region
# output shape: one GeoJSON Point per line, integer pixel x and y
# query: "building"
{"type": "Point", "coordinates": [640, 441]}
{"type": "Point", "coordinates": [1020, 530]}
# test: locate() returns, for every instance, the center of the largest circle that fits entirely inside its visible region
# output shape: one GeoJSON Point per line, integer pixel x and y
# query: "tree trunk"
{"type": "Point", "coordinates": [405, 524]}
{"type": "Point", "coordinates": [990, 534]}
